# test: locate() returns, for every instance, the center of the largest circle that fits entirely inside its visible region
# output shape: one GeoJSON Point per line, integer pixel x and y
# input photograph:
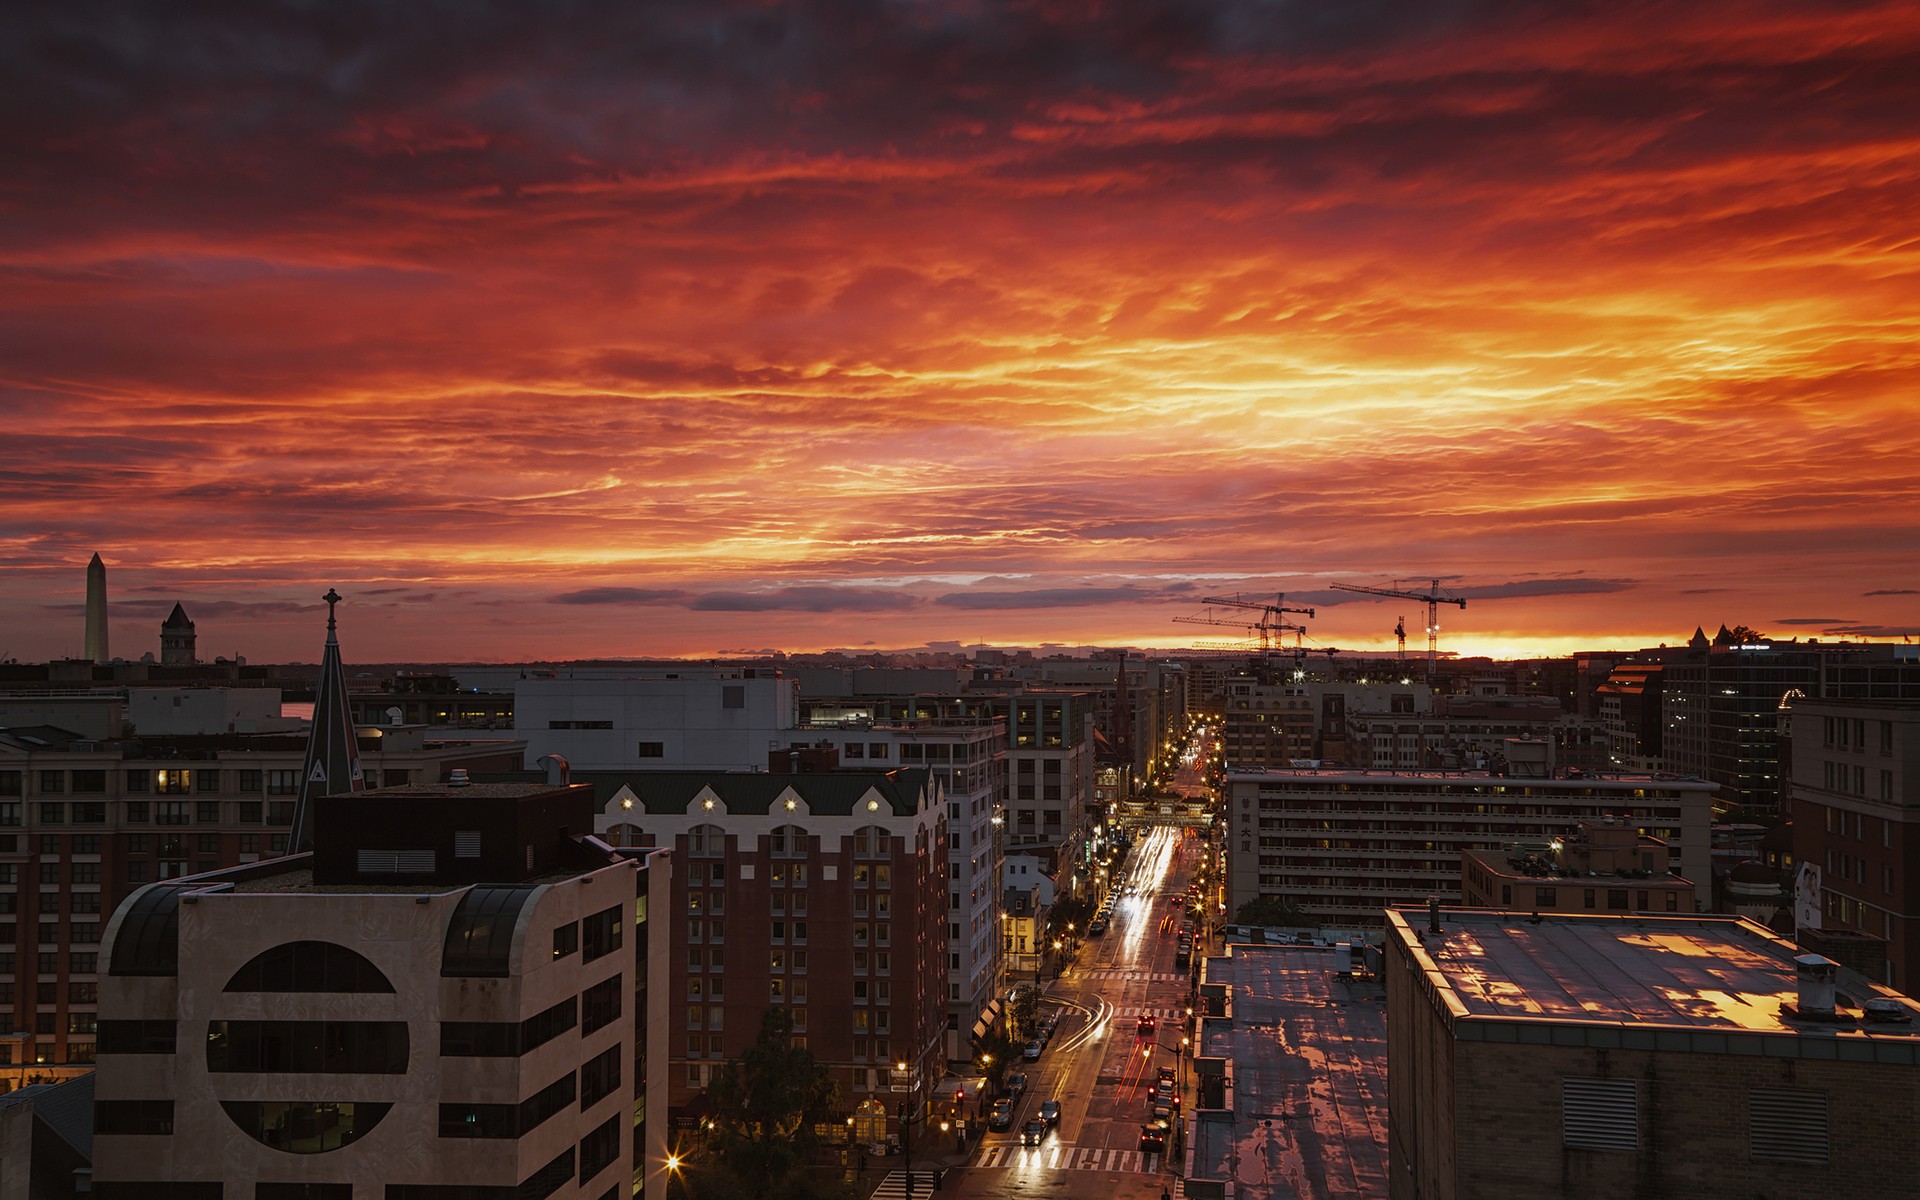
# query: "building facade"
{"type": "Point", "coordinates": [85, 822]}
{"type": "Point", "coordinates": [1346, 844]}
{"type": "Point", "coordinates": [662, 718]}
{"type": "Point", "coordinates": [448, 996]}
{"type": "Point", "coordinates": [825, 894]}
{"type": "Point", "coordinates": [967, 757]}
{"type": "Point", "coordinates": [1856, 822]}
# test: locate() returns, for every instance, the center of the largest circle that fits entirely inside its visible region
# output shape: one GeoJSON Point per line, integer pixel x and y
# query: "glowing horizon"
{"type": "Point", "coordinates": [690, 331]}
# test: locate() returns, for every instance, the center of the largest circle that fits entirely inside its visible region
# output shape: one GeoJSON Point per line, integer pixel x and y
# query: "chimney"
{"type": "Point", "coordinates": [1433, 914]}
{"type": "Point", "coordinates": [1816, 985]}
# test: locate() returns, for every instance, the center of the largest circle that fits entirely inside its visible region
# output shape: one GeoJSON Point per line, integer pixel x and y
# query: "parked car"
{"type": "Point", "coordinates": [1000, 1116]}
{"type": "Point", "coordinates": [1097, 927]}
{"type": "Point", "coordinates": [1162, 1110]}
{"type": "Point", "coordinates": [1033, 1132]}
{"type": "Point", "coordinates": [1153, 1139]}
{"type": "Point", "coordinates": [1050, 1111]}
{"type": "Point", "coordinates": [1017, 1084]}
{"type": "Point", "coordinates": [1032, 1051]}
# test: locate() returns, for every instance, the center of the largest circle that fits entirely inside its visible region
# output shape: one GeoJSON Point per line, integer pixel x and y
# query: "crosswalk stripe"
{"type": "Point", "coordinates": [1054, 1156]}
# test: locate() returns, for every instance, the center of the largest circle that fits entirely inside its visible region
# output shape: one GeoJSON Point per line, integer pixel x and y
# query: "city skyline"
{"type": "Point", "coordinates": [611, 331]}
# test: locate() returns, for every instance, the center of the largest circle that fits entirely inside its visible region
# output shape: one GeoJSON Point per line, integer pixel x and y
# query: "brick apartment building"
{"type": "Point", "coordinates": [823, 893]}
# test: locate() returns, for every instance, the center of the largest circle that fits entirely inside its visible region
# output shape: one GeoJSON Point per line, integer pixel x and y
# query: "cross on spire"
{"type": "Point", "coordinates": [332, 598]}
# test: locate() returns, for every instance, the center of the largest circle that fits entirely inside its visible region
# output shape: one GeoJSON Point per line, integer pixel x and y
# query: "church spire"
{"type": "Point", "coordinates": [333, 754]}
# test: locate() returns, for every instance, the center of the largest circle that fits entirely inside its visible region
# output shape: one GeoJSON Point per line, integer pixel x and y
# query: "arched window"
{"type": "Point", "coordinates": [787, 841]}
{"type": "Point", "coordinates": [706, 841]}
{"type": "Point", "coordinates": [622, 835]}
{"type": "Point", "coordinates": [309, 967]}
{"type": "Point", "coordinates": [872, 841]}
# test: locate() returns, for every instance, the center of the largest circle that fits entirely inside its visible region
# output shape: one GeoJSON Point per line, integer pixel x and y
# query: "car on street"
{"type": "Point", "coordinates": [1153, 1139]}
{"type": "Point", "coordinates": [1017, 1084]}
{"type": "Point", "coordinates": [1162, 1111]}
{"type": "Point", "coordinates": [1032, 1051]}
{"type": "Point", "coordinates": [1033, 1132]}
{"type": "Point", "coordinates": [1050, 1111]}
{"type": "Point", "coordinates": [1000, 1116]}
{"type": "Point", "coordinates": [1097, 927]}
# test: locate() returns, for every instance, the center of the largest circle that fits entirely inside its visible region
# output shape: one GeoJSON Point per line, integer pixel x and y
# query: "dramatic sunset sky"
{"type": "Point", "coordinates": [572, 329]}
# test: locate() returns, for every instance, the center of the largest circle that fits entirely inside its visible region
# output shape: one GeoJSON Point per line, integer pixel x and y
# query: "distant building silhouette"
{"type": "Point", "coordinates": [176, 640]}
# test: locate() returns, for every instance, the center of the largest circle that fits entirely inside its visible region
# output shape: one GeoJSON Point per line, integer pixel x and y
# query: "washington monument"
{"type": "Point", "coordinates": [97, 611]}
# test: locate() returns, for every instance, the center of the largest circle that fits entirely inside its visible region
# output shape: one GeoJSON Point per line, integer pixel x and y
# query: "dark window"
{"type": "Point", "coordinates": [170, 812]}
{"type": "Point", "coordinates": [566, 939]}
{"type": "Point", "coordinates": [651, 750]}
{"type": "Point", "coordinates": [479, 1039]}
{"type": "Point", "coordinates": [479, 1121]}
{"type": "Point", "coordinates": [548, 1179]}
{"type": "Point", "coordinates": [599, 1076]}
{"type": "Point", "coordinates": [90, 812]}
{"type": "Point", "coordinates": [91, 783]}
{"type": "Point", "coordinates": [309, 967]}
{"type": "Point", "coordinates": [133, 1117]}
{"type": "Point", "coordinates": [504, 1039]}
{"type": "Point", "coordinates": [53, 782]}
{"type": "Point", "coordinates": [9, 783]}
{"type": "Point", "coordinates": [555, 1097]}
{"type": "Point", "coordinates": [53, 814]}
{"type": "Point", "coordinates": [156, 1190]}
{"type": "Point", "coordinates": [207, 812]}
{"type": "Point", "coordinates": [139, 812]}
{"type": "Point", "coordinates": [249, 812]}
{"type": "Point", "coordinates": [139, 782]}
{"type": "Point", "coordinates": [1617, 899]}
{"type": "Point", "coordinates": [304, 1126]}
{"type": "Point", "coordinates": [207, 779]}
{"type": "Point", "coordinates": [1546, 897]}
{"type": "Point", "coordinates": [302, 1191]}
{"type": "Point", "coordinates": [600, 934]}
{"type": "Point", "coordinates": [600, 1006]}
{"type": "Point", "coordinates": [732, 695]}
{"type": "Point", "coordinates": [599, 1149]}
{"type": "Point", "coordinates": [137, 1037]}
{"type": "Point", "coordinates": [250, 782]}
{"type": "Point", "coordinates": [307, 1047]}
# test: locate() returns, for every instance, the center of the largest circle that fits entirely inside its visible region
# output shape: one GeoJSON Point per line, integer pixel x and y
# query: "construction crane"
{"type": "Point", "coordinates": [1400, 631]}
{"type": "Point", "coordinates": [1262, 628]}
{"type": "Point", "coordinates": [1272, 620]}
{"type": "Point", "coordinates": [1434, 597]}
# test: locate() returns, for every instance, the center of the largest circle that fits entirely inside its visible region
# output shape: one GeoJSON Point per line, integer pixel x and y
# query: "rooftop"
{"type": "Point", "coordinates": [1308, 1050]}
{"type": "Point", "coordinates": [1646, 973]}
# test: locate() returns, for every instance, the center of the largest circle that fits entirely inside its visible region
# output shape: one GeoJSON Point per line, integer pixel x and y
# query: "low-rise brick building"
{"type": "Point", "coordinates": [1605, 1057]}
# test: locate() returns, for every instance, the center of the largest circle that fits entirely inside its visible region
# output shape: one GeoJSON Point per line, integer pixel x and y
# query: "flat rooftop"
{"type": "Point", "coordinates": [1692, 973]}
{"type": "Point", "coordinates": [1307, 1048]}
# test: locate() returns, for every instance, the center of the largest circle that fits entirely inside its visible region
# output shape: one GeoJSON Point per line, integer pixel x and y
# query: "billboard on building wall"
{"type": "Point", "coordinates": [1806, 896]}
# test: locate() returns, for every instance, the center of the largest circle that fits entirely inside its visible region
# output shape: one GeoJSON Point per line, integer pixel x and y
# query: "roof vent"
{"type": "Point", "coordinates": [1816, 990]}
{"type": "Point", "coordinates": [458, 777]}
